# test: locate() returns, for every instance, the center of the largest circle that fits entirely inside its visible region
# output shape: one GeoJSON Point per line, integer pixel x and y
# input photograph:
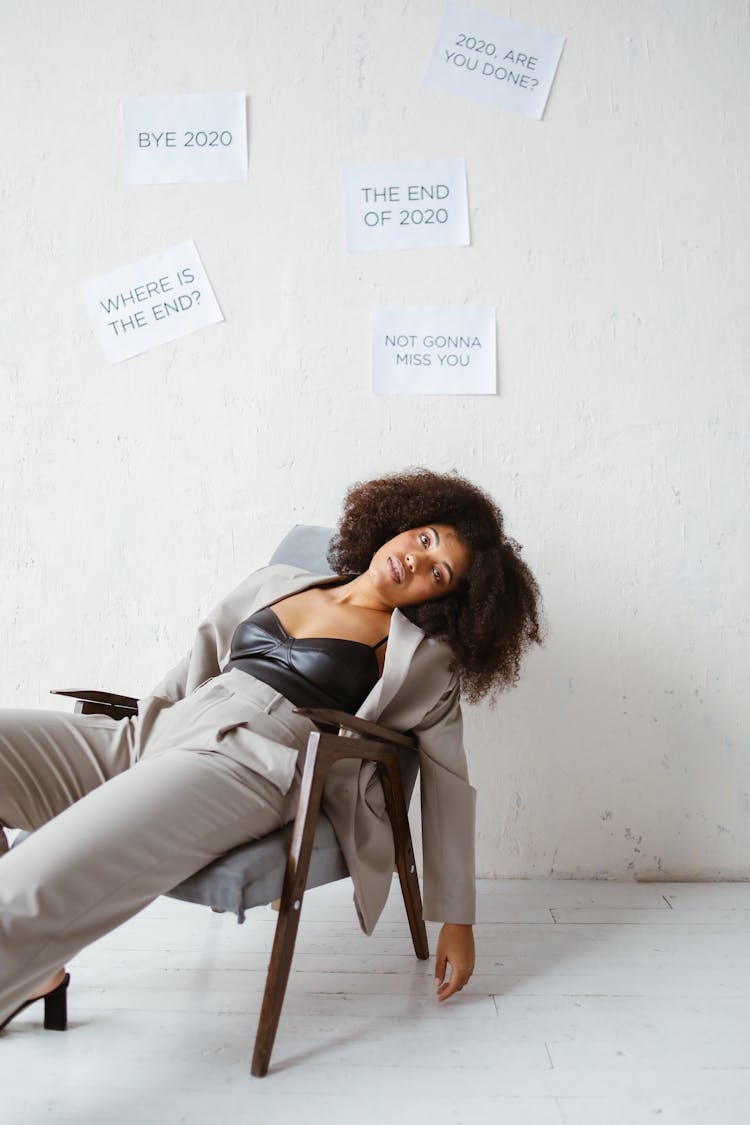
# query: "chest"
{"type": "Point", "coordinates": [315, 613]}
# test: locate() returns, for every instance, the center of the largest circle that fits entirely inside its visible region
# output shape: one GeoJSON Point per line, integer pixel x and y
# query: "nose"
{"type": "Point", "coordinates": [410, 562]}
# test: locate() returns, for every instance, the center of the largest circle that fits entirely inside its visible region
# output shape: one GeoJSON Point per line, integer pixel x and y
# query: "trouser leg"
{"type": "Point", "coordinates": [104, 858]}
{"type": "Point", "coordinates": [50, 759]}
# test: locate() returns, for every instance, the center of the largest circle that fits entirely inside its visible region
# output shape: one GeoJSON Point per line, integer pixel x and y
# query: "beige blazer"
{"type": "Point", "coordinates": [417, 691]}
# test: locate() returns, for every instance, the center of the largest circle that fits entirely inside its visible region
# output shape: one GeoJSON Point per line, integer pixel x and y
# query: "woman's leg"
{"type": "Point", "coordinates": [50, 759]}
{"type": "Point", "coordinates": [111, 853]}
{"type": "Point", "coordinates": [190, 798]}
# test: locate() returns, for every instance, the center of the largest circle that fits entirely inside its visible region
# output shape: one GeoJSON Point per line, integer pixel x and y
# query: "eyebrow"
{"type": "Point", "coordinates": [447, 566]}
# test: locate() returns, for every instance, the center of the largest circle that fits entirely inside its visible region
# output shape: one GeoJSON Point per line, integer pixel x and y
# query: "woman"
{"type": "Point", "coordinates": [430, 599]}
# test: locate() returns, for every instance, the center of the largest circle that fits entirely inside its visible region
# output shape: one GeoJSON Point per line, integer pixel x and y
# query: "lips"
{"type": "Point", "coordinates": [395, 569]}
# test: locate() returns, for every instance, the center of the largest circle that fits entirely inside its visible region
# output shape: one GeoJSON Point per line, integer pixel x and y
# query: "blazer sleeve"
{"type": "Point", "coordinates": [448, 813]}
{"type": "Point", "coordinates": [212, 642]}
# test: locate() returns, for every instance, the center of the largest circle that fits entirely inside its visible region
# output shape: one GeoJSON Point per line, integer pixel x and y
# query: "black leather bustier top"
{"type": "Point", "coordinates": [308, 671]}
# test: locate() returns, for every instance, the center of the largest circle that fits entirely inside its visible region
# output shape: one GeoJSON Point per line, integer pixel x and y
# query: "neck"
{"type": "Point", "coordinates": [361, 593]}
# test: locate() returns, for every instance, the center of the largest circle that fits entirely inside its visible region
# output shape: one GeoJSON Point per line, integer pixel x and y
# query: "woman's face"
{"type": "Point", "coordinates": [419, 565]}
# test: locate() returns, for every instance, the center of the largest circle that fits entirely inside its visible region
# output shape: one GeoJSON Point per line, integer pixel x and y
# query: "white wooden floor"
{"type": "Point", "coordinates": [593, 1003]}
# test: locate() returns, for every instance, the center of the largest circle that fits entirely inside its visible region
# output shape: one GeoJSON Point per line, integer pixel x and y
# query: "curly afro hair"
{"type": "Point", "coordinates": [494, 615]}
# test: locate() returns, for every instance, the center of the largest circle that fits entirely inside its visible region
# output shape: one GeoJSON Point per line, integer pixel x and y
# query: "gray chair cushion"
{"type": "Point", "coordinates": [253, 874]}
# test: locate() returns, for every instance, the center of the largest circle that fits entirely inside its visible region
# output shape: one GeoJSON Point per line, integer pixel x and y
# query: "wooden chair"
{"type": "Point", "coordinates": [306, 853]}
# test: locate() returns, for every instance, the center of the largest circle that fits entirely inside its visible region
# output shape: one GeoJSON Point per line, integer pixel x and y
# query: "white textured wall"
{"type": "Point", "coordinates": [613, 239]}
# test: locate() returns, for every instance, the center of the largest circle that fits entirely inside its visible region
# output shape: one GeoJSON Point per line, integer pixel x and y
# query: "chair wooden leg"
{"type": "Point", "coordinates": [298, 862]}
{"type": "Point", "coordinates": [405, 863]}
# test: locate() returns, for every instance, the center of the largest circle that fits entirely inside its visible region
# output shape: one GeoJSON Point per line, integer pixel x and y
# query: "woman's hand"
{"type": "Point", "coordinates": [455, 948]}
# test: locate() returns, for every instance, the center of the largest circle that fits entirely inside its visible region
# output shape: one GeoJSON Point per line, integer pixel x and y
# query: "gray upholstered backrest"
{"type": "Point", "coordinates": [305, 546]}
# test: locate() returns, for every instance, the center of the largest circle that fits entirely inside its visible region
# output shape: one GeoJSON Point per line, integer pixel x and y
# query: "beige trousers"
{"type": "Point", "coordinates": [122, 815]}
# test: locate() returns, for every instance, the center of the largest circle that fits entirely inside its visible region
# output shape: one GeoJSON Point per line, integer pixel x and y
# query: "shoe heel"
{"type": "Point", "coordinates": [56, 1007]}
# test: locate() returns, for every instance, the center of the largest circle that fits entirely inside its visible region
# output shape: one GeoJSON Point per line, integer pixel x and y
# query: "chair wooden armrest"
{"type": "Point", "coordinates": [325, 718]}
{"type": "Point", "coordinates": [101, 702]}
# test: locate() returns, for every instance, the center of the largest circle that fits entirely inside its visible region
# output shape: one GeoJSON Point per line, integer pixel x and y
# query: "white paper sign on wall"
{"type": "Point", "coordinates": [493, 60]}
{"type": "Point", "coordinates": [151, 302]}
{"type": "Point", "coordinates": [405, 205]}
{"type": "Point", "coordinates": [185, 138]}
{"type": "Point", "coordinates": [434, 351]}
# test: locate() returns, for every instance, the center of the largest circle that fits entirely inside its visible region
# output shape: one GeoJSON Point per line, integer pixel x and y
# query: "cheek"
{"type": "Point", "coordinates": [433, 590]}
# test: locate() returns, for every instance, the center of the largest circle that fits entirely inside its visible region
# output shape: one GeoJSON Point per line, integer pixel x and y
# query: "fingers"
{"type": "Point", "coordinates": [455, 949]}
{"type": "Point", "coordinates": [458, 978]}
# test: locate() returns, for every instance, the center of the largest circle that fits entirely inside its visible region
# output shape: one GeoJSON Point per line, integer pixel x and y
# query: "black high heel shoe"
{"type": "Point", "coordinates": [55, 1007]}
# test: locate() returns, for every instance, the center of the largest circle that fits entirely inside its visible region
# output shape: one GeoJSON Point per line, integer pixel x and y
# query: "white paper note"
{"type": "Point", "coordinates": [406, 205]}
{"type": "Point", "coordinates": [151, 302]}
{"type": "Point", "coordinates": [185, 138]}
{"type": "Point", "coordinates": [434, 351]}
{"type": "Point", "coordinates": [490, 59]}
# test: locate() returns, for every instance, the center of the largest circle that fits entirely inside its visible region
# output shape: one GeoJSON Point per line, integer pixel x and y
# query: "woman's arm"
{"type": "Point", "coordinates": [448, 814]}
{"type": "Point", "coordinates": [213, 639]}
{"type": "Point", "coordinates": [455, 948]}
{"type": "Point", "coordinates": [448, 837]}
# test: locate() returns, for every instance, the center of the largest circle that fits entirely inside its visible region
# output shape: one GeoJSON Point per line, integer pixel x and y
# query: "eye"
{"type": "Point", "coordinates": [424, 539]}
{"type": "Point", "coordinates": [437, 573]}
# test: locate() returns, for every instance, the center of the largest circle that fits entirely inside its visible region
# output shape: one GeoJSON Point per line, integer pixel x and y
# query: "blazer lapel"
{"type": "Point", "coordinates": [403, 640]}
